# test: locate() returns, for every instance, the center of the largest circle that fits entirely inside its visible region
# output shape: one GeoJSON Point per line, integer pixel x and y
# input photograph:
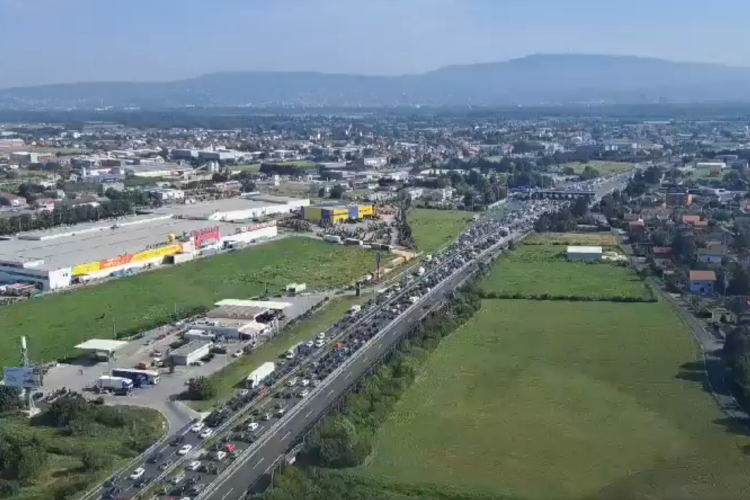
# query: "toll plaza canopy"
{"type": "Point", "coordinates": [102, 346]}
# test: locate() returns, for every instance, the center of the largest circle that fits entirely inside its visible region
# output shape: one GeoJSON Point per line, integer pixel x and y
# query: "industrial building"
{"type": "Point", "coordinates": [191, 352]}
{"type": "Point", "coordinates": [334, 214]}
{"type": "Point", "coordinates": [59, 257]}
{"type": "Point", "coordinates": [584, 254]}
{"type": "Point", "coordinates": [233, 319]}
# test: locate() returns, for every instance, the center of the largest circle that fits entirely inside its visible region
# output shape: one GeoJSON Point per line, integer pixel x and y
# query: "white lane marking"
{"type": "Point", "coordinates": [364, 358]}
{"type": "Point", "coordinates": [379, 344]}
{"type": "Point", "coordinates": [331, 392]}
{"type": "Point", "coordinates": [227, 494]}
{"type": "Point", "coordinates": [286, 435]}
{"type": "Point", "coordinates": [348, 375]}
{"type": "Point", "coordinates": [308, 413]}
{"type": "Point", "coordinates": [259, 462]}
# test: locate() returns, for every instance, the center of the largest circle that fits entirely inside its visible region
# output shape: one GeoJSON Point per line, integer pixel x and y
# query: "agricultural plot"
{"type": "Point", "coordinates": [584, 239]}
{"type": "Point", "coordinates": [433, 229]}
{"type": "Point", "coordinates": [538, 270]}
{"type": "Point", "coordinates": [55, 323]}
{"type": "Point", "coordinates": [562, 400]}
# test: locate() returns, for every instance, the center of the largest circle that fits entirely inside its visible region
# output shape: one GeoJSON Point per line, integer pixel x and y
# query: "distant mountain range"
{"type": "Point", "coordinates": [532, 80]}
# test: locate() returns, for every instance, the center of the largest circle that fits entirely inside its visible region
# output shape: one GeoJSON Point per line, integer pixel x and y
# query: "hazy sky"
{"type": "Point", "coordinates": [51, 41]}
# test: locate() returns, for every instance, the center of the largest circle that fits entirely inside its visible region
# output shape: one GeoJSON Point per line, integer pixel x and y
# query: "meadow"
{"type": "Point", "coordinates": [433, 229]}
{"type": "Point", "coordinates": [604, 167]}
{"type": "Point", "coordinates": [565, 400]}
{"type": "Point", "coordinates": [536, 270]}
{"type": "Point", "coordinates": [55, 323]}
{"type": "Point", "coordinates": [584, 239]}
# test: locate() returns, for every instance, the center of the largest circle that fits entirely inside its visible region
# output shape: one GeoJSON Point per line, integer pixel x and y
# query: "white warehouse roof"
{"type": "Point", "coordinates": [584, 249]}
{"type": "Point", "coordinates": [266, 304]}
{"type": "Point", "coordinates": [102, 345]}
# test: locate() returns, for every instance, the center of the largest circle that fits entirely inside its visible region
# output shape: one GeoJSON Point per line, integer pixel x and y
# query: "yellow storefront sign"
{"type": "Point", "coordinates": [156, 253]}
{"type": "Point", "coordinates": [88, 268]}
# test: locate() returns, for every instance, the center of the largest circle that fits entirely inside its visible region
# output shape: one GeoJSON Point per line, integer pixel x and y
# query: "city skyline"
{"type": "Point", "coordinates": [50, 41]}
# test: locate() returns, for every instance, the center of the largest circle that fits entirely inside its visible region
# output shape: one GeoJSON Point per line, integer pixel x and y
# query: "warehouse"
{"type": "Point", "coordinates": [335, 214]}
{"type": "Point", "coordinates": [584, 254]}
{"type": "Point", "coordinates": [235, 209]}
{"type": "Point", "coordinates": [191, 352]}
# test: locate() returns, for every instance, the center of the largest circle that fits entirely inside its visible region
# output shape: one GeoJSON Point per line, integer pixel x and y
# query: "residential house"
{"type": "Point", "coordinates": [713, 254]}
{"type": "Point", "coordinates": [679, 199]}
{"type": "Point", "coordinates": [636, 227]}
{"type": "Point", "coordinates": [662, 252]}
{"type": "Point", "coordinates": [702, 282]}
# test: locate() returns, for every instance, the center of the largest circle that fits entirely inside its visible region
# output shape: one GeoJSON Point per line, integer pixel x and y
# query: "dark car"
{"type": "Point", "coordinates": [143, 482]}
{"type": "Point", "coordinates": [154, 458]}
{"type": "Point", "coordinates": [177, 441]}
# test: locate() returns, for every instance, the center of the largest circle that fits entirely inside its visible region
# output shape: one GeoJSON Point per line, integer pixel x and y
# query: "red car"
{"type": "Point", "coordinates": [229, 447]}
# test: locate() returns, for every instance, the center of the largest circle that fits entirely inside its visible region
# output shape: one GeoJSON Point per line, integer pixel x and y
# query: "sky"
{"type": "Point", "coordinates": [60, 41]}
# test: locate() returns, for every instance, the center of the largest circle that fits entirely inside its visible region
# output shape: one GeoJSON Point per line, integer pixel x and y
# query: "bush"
{"type": "Point", "coordinates": [9, 488]}
{"type": "Point", "coordinates": [94, 460]}
{"type": "Point", "coordinates": [200, 389]}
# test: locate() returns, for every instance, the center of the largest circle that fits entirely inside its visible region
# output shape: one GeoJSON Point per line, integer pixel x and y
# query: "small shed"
{"type": "Point", "coordinates": [584, 253]}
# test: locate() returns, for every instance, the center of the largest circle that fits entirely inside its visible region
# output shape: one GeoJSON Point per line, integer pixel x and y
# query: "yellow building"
{"type": "Point", "coordinates": [339, 213]}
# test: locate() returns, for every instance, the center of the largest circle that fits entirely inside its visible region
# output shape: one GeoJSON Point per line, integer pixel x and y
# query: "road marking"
{"type": "Point", "coordinates": [308, 413]}
{"type": "Point", "coordinates": [364, 358]}
{"type": "Point", "coordinates": [227, 494]}
{"type": "Point", "coordinates": [348, 375]}
{"type": "Point", "coordinates": [331, 392]}
{"type": "Point", "coordinates": [286, 435]}
{"type": "Point", "coordinates": [379, 344]}
{"type": "Point", "coordinates": [259, 462]}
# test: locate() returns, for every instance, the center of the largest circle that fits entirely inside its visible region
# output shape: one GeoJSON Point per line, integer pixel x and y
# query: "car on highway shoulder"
{"type": "Point", "coordinates": [185, 450]}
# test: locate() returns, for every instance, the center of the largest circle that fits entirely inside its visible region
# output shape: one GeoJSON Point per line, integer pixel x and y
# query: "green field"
{"type": "Point", "coordinates": [251, 167]}
{"type": "Point", "coordinates": [57, 322]}
{"type": "Point", "coordinates": [565, 400]}
{"type": "Point", "coordinates": [433, 229]}
{"type": "Point", "coordinates": [595, 239]}
{"type": "Point", "coordinates": [604, 167]}
{"type": "Point", "coordinates": [534, 270]}
{"type": "Point", "coordinates": [65, 475]}
{"type": "Point", "coordinates": [233, 376]}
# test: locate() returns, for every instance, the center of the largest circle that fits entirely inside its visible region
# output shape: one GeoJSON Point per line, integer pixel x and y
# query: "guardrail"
{"type": "Point", "coordinates": [280, 382]}
{"type": "Point", "coordinates": [250, 451]}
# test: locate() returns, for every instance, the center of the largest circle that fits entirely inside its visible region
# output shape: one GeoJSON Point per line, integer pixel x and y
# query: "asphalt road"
{"type": "Point", "coordinates": [253, 466]}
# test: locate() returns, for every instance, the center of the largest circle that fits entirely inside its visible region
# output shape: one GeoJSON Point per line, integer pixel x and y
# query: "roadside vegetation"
{"type": "Point", "coordinates": [232, 377]}
{"type": "Point", "coordinates": [71, 446]}
{"type": "Point", "coordinates": [583, 239]}
{"type": "Point", "coordinates": [55, 323]}
{"type": "Point", "coordinates": [433, 229]}
{"type": "Point", "coordinates": [603, 167]}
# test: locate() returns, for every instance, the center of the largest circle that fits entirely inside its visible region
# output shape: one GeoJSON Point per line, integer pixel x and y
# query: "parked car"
{"type": "Point", "coordinates": [197, 427]}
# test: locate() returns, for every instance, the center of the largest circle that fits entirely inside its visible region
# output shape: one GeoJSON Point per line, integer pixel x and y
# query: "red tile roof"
{"type": "Point", "coordinates": [662, 250]}
{"type": "Point", "coordinates": [702, 276]}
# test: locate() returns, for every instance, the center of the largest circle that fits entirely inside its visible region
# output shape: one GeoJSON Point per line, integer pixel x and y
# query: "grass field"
{"type": "Point", "coordinates": [55, 323]}
{"type": "Point", "coordinates": [604, 167]}
{"type": "Point", "coordinates": [433, 229]}
{"type": "Point", "coordinates": [595, 239]}
{"type": "Point", "coordinates": [65, 471]}
{"type": "Point", "coordinates": [233, 376]}
{"type": "Point", "coordinates": [534, 270]}
{"type": "Point", "coordinates": [561, 400]}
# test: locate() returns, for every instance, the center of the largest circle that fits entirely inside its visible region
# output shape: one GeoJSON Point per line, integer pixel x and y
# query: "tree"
{"type": "Point", "coordinates": [337, 192]}
{"type": "Point", "coordinates": [10, 398]}
{"type": "Point", "coordinates": [94, 460]}
{"type": "Point", "coordinates": [200, 389]}
{"type": "Point", "coordinates": [322, 192]}
{"type": "Point", "coordinates": [739, 282]}
{"type": "Point", "coordinates": [580, 207]}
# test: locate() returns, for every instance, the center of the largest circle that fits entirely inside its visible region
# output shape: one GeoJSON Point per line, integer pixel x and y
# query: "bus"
{"type": "Point", "coordinates": [139, 377]}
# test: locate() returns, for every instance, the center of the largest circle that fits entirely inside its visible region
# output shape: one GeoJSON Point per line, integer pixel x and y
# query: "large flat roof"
{"type": "Point", "coordinates": [209, 207]}
{"type": "Point", "coordinates": [69, 250]}
{"type": "Point", "coordinates": [583, 249]}
{"type": "Point", "coordinates": [101, 345]}
{"type": "Point", "coordinates": [265, 304]}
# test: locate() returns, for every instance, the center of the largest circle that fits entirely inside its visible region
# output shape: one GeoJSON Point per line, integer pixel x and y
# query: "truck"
{"type": "Point", "coordinates": [118, 385]}
{"type": "Point", "coordinates": [258, 375]}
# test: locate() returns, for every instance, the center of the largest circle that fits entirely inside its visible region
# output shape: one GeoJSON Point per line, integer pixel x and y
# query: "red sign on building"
{"type": "Point", "coordinates": [203, 237]}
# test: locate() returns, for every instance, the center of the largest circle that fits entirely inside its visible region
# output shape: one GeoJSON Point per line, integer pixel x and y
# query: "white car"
{"type": "Point", "coordinates": [304, 382]}
{"type": "Point", "coordinates": [220, 455]}
{"type": "Point", "coordinates": [185, 450]}
{"type": "Point", "coordinates": [197, 427]}
{"type": "Point", "coordinates": [237, 354]}
{"type": "Point", "coordinates": [309, 344]}
{"type": "Point", "coordinates": [292, 382]}
{"type": "Point", "coordinates": [320, 343]}
{"type": "Point", "coordinates": [253, 426]}
{"type": "Point", "coordinates": [194, 465]}
{"type": "Point", "coordinates": [304, 393]}
{"type": "Point", "coordinates": [206, 433]}
{"type": "Point", "coordinates": [321, 335]}
{"type": "Point", "coordinates": [137, 473]}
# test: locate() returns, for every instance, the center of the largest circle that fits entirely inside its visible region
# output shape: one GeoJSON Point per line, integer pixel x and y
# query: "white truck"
{"type": "Point", "coordinates": [259, 375]}
{"type": "Point", "coordinates": [118, 385]}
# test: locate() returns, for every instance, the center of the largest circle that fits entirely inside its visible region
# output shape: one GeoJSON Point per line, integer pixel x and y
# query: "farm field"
{"type": "Point", "coordinates": [233, 376]}
{"type": "Point", "coordinates": [534, 270]}
{"type": "Point", "coordinates": [565, 400]}
{"type": "Point", "coordinates": [65, 474]}
{"type": "Point", "coordinates": [57, 322]}
{"type": "Point", "coordinates": [433, 229]}
{"type": "Point", "coordinates": [604, 167]}
{"type": "Point", "coordinates": [584, 239]}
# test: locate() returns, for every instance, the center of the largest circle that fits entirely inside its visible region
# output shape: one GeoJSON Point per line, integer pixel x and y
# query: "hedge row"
{"type": "Point", "coordinates": [569, 298]}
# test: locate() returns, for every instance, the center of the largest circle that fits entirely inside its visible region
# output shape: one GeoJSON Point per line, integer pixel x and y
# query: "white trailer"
{"type": "Point", "coordinates": [259, 375]}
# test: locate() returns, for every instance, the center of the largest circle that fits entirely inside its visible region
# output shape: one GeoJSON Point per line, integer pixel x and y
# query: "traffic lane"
{"type": "Point", "coordinates": [265, 455]}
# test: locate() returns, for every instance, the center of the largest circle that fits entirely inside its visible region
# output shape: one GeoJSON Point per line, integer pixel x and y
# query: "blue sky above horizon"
{"type": "Point", "coordinates": [56, 41]}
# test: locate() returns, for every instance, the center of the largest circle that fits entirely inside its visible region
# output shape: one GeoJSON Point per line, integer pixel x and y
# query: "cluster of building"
{"type": "Point", "coordinates": [64, 256]}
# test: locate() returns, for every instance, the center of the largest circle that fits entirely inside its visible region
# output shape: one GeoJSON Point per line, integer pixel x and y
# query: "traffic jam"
{"type": "Point", "coordinates": [197, 454]}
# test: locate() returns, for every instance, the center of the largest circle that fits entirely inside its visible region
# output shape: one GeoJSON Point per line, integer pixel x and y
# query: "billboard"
{"type": "Point", "coordinates": [156, 253]}
{"type": "Point", "coordinates": [88, 268]}
{"type": "Point", "coordinates": [203, 237]}
{"type": "Point", "coordinates": [29, 377]}
{"type": "Point", "coordinates": [115, 262]}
